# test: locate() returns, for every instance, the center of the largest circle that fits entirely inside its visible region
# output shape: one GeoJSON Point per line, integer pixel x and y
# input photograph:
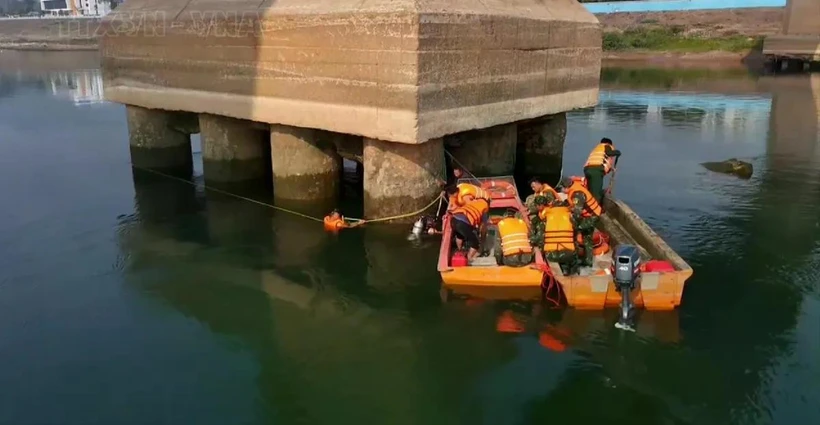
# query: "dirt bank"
{"type": "Point", "coordinates": [706, 23]}
{"type": "Point", "coordinates": [49, 34]}
{"type": "Point", "coordinates": [715, 37]}
{"type": "Point", "coordinates": [81, 34]}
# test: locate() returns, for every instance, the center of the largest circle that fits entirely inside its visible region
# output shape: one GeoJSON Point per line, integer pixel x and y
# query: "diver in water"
{"type": "Point", "coordinates": [425, 225]}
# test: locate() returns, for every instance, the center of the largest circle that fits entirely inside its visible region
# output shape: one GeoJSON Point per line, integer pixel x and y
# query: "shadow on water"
{"type": "Point", "coordinates": [332, 319]}
{"type": "Point", "coordinates": [321, 311]}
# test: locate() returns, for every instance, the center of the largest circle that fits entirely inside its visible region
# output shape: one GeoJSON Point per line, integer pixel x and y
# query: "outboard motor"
{"type": "Point", "coordinates": [626, 270]}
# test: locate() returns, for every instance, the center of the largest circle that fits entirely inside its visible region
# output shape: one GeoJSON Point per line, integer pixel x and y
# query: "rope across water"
{"type": "Point", "coordinates": [296, 213]}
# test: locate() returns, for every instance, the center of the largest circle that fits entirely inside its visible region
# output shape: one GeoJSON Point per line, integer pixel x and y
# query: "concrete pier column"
{"type": "Point", "coordinates": [154, 141]}
{"type": "Point", "coordinates": [486, 152]}
{"type": "Point", "coordinates": [306, 166]}
{"type": "Point", "coordinates": [400, 178]}
{"type": "Point", "coordinates": [541, 146]}
{"type": "Point", "coordinates": [232, 149]}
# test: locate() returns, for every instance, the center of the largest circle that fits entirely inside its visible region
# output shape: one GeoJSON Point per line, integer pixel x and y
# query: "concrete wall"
{"type": "Point", "coordinates": [395, 70]}
{"type": "Point", "coordinates": [802, 18]}
{"type": "Point", "coordinates": [678, 5]}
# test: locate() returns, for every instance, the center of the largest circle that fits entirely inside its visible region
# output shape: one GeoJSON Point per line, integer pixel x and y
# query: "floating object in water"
{"type": "Point", "coordinates": [660, 287]}
{"type": "Point", "coordinates": [731, 166]}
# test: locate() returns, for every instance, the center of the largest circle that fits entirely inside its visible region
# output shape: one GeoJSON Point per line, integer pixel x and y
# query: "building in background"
{"type": "Point", "coordinates": [76, 7]}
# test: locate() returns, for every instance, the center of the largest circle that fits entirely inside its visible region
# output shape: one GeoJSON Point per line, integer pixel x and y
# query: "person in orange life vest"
{"type": "Point", "coordinates": [599, 164]}
{"type": "Point", "coordinates": [467, 192]}
{"type": "Point", "coordinates": [465, 222]}
{"type": "Point", "coordinates": [559, 233]}
{"type": "Point", "coordinates": [512, 244]}
{"type": "Point", "coordinates": [335, 222]}
{"type": "Point", "coordinates": [585, 211]}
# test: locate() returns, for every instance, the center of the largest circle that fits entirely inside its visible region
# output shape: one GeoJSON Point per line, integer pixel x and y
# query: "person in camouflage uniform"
{"type": "Point", "coordinates": [568, 260]}
{"type": "Point", "coordinates": [535, 204]}
{"type": "Point", "coordinates": [585, 224]}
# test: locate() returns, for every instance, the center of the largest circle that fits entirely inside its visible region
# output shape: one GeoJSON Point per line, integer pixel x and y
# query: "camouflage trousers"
{"type": "Point", "coordinates": [586, 228]}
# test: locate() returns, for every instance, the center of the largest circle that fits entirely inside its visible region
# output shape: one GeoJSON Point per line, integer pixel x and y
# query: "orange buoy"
{"type": "Point", "coordinates": [600, 243]}
{"type": "Point", "coordinates": [499, 189]}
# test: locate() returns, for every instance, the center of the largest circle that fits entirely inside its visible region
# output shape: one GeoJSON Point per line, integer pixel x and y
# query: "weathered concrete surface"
{"type": "Point", "coordinates": [153, 140]}
{"type": "Point", "coordinates": [541, 146]}
{"type": "Point", "coordinates": [306, 166]}
{"type": "Point", "coordinates": [801, 32]}
{"type": "Point", "coordinates": [487, 152]}
{"type": "Point", "coordinates": [232, 149]}
{"type": "Point", "coordinates": [400, 178]}
{"type": "Point", "coordinates": [394, 70]}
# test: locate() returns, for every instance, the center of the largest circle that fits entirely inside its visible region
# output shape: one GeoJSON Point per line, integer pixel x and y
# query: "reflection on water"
{"type": "Point", "coordinates": [715, 116]}
{"type": "Point", "coordinates": [83, 87]}
{"type": "Point", "coordinates": [128, 298]}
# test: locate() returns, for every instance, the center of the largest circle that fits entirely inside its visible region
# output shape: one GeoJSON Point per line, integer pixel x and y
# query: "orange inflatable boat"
{"type": "Point", "coordinates": [661, 282]}
{"type": "Point", "coordinates": [659, 288]}
{"type": "Point", "coordinates": [485, 272]}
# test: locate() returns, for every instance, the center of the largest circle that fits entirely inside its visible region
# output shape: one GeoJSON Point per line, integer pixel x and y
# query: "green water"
{"type": "Point", "coordinates": [126, 298]}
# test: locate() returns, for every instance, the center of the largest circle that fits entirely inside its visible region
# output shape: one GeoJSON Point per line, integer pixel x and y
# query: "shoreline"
{"type": "Point", "coordinates": [46, 46]}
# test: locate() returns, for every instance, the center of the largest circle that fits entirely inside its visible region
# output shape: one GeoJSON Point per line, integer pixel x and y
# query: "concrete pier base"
{"type": "Point", "coordinates": [400, 178]}
{"type": "Point", "coordinates": [306, 166]}
{"type": "Point", "coordinates": [154, 141]}
{"type": "Point", "coordinates": [486, 152]}
{"type": "Point", "coordinates": [232, 149]}
{"type": "Point", "coordinates": [541, 147]}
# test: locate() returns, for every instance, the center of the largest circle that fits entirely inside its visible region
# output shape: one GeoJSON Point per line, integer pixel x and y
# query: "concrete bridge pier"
{"type": "Point", "coordinates": [232, 149]}
{"type": "Point", "coordinates": [156, 140]}
{"type": "Point", "coordinates": [400, 178]}
{"type": "Point", "coordinates": [541, 146]}
{"type": "Point", "coordinates": [486, 152]}
{"type": "Point", "coordinates": [306, 164]}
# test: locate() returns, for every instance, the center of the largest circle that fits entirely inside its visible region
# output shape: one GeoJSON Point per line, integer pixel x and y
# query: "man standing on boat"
{"type": "Point", "coordinates": [512, 245]}
{"type": "Point", "coordinates": [600, 163]}
{"type": "Point", "coordinates": [585, 211]}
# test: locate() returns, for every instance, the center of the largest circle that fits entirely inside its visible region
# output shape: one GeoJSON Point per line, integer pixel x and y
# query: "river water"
{"type": "Point", "coordinates": [126, 298]}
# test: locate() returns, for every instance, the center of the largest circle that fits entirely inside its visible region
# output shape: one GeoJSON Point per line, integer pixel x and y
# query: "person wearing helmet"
{"type": "Point", "coordinates": [512, 246]}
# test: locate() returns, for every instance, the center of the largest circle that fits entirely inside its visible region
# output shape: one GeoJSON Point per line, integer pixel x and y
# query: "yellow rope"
{"type": "Point", "coordinates": [265, 204]}
{"type": "Point", "coordinates": [396, 217]}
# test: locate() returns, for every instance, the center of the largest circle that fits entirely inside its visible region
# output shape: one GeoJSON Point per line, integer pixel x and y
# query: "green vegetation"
{"type": "Point", "coordinates": [672, 39]}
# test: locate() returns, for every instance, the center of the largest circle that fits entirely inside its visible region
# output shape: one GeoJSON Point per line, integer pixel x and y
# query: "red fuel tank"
{"type": "Point", "coordinates": [459, 259]}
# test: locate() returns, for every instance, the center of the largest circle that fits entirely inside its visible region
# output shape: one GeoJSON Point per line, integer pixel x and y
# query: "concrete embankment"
{"type": "Point", "coordinates": [49, 34]}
